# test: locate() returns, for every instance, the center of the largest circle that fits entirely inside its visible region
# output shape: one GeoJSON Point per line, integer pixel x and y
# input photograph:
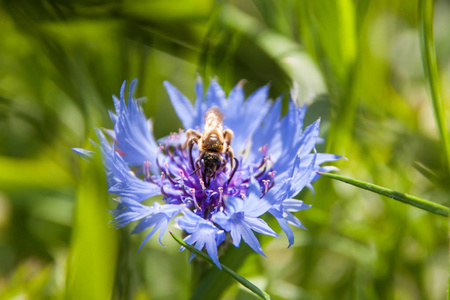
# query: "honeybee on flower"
{"type": "Point", "coordinates": [211, 143]}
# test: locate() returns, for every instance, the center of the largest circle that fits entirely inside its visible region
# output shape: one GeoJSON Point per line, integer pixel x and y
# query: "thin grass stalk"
{"type": "Point", "coordinates": [402, 197]}
{"type": "Point", "coordinates": [426, 13]}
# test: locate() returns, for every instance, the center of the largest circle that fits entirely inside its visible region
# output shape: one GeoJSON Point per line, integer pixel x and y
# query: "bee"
{"type": "Point", "coordinates": [211, 143]}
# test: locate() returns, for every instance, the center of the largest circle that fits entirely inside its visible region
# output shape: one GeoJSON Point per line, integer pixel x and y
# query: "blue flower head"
{"type": "Point", "coordinates": [274, 159]}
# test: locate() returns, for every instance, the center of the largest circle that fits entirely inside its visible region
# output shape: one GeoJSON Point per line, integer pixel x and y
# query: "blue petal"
{"type": "Point", "coordinates": [235, 99]}
{"type": "Point", "coordinates": [283, 213]}
{"type": "Point", "coordinates": [205, 236]}
{"type": "Point", "coordinates": [161, 224]}
{"type": "Point", "coordinates": [234, 205]}
{"type": "Point", "coordinates": [148, 222]}
{"type": "Point", "coordinates": [260, 226]}
{"type": "Point", "coordinates": [283, 149]}
{"type": "Point", "coordinates": [215, 96]}
{"type": "Point", "coordinates": [203, 233]}
{"type": "Point", "coordinates": [133, 132]}
{"type": "Point", "coordinates": [87, 155]}
{"type": "Point", "coordinates": [133, 211]}
{"type": "Point", "coordinates": [287, 230]}
{"type": "Point", "coordinates": [159, 217]}
{"type": "Point", "coordinates": [182, 105]}
{"type": "Point", "coordinates": [326, 157]}
{"type": "Point", "coordinates": [117, 100]}
{"type": "Point", "coordinates": [301, 177]}
{"type": "Point", "coordinates": [278, 214]}
{"type": "Point", "coordinates": [121, 180]}
{"type": "Point", "coordinates": [293, 205]}
{"type": "Point", "coordinates": [222, 220]}
{"type": "Point", "coordinates": [239, 230]}
{"type": "Point", "coordinates": [189, 221]}
{"type": "Point", "coordinates": [254, 205]}
{"type": "Point", "coordinates": [249, 118]}
{"type": "Point", "coordinates": [268, 134]}
{"type": "Point", "coordinates": [289, 124]}
{"type": "Point", "coordinates": [240, 225]}
{"type": "Point", "coordinates": [309, 138]}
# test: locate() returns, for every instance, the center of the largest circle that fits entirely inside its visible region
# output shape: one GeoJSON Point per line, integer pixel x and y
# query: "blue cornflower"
{"type": "Point", "coordinates": [274, 159]}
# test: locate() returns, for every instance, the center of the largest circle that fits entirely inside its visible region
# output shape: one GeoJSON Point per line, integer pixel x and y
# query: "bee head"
{"type": "Point", "coordinates": [211, 163]}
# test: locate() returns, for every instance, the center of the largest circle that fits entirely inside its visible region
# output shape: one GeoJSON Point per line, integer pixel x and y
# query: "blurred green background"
{"type": "Point", "coordinates": [356, 63]}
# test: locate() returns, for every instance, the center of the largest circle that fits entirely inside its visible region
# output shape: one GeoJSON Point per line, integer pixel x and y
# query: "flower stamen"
{"type": "Point", "coordinates": [182, 178]}
{"type": "Point", "coordinates": [266, 186]}
{"type": "Point", "coordinates": [158, 153]}
{"type": "Point", "coordinates": [169, 175]}
{"type": "Point", "coordinates": [262, 172]}
{"type": "Point", "coordinates": [146, 170]}
{"type": "Point", "coordinates": [263, 162]}
{"type": "Point", "coordinates": [220, 195]}
{"type": "Point", "coordinates": [236, 166]}
{"type": "Point", "coordinates": [272, 174]}
{"type": "Point", "coordinates": [183, 186]}
{"type": "Point", "coordinates": [161, 186]}
{"type": "Point", "coordinates": [195, 200]}
{"type": "Point", "coordinates": [202, 183]}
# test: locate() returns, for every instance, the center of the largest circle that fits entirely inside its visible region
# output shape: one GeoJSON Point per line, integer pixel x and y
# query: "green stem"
{"type": "Point", "coordinates": [405, 198]}
{"type": "Point", "coordinates": [239, 278]}
{"type": "Point", "coordinates": [426, 10]}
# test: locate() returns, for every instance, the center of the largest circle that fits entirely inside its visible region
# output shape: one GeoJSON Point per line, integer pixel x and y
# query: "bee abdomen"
{"type": "Point", "coordinates": [213, 119]}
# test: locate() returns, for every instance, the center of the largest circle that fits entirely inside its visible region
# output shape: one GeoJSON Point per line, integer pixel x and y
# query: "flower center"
{"type": "Point", "coordinates": [181, 181]}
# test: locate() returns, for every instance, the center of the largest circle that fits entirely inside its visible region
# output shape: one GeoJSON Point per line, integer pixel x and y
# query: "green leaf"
{"type": "Point", "coordinates": [402, 197]}
{"type": "Point", "coordinates": [227, 270]}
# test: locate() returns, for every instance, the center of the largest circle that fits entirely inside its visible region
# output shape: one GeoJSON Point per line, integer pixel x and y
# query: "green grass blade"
{"type": "Point", "coordinates": [426, 11]}
{"type": "Point", "coordinates": [227, 270]}
{"type": "Point", "coordinates": [402, 197]}
{"type": "Point", "coordinates": [426, 14]}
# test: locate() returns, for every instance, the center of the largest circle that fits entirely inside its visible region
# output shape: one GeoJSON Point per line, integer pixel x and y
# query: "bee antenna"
{"type": "Point", "coordinates": [198, 163]}
{"type": "Point", "coordinates": [193, 172]}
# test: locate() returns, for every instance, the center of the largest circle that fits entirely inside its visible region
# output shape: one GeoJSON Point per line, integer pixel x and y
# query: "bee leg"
{"type": "Point", "coordinates": [223, 163]}
{"type": "Point", "coordinates": [231, 154]}
{"type": "Point", "coordinates": [228, 135]}
{"type": "Point", "coordinates": [191, 160]}
{"type": "Point", "coordinates": [236, 166]}
{"type": "Point", "coordinates": [198, 164]}
{"type": "Point", "coordinates": [192, 136]}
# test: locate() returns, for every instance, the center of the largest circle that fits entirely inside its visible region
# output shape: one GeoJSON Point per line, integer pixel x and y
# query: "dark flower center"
{"type": "Point", "coordinates": [181, 181]}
